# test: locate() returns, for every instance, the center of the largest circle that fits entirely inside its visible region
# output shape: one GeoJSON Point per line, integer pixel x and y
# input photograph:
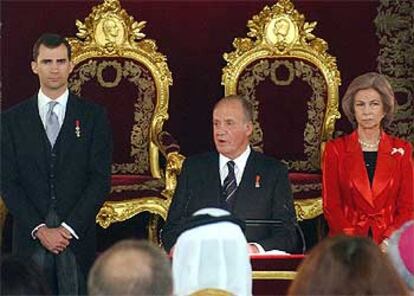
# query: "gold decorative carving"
{"type": "Point", "coordinates": [109, 84]}
{"type": "Point", "coordinates": [174, 165]}
{"type": "Point", "coordinates": [153, 226]}
{"type": "Point", "coordinates": [156, 185]}
{"type": "Point", "coordinates": [394, 29]}
{"type": "Point", "coordinates": [110, 30]}
{"type": "Point", "coordinates": [280, 32]}
{"type": "Point", "coordinates": [306, 187]}
{"type": "Point", "coordinates": [274, 275]}
{"type": "Point", "coordinates": [273, 72]}
{"type": "Point", "coordinates": [308, 208]}
{"type": "Point", "coordinates": [118, 211]}
{"type": "Point", "coordinates": [211, 292]}
{"type": "Point", "coordinates": [107, 36]}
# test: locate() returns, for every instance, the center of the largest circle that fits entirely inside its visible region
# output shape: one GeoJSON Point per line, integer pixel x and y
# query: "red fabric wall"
{"type": "Point", "coordinates": [193, 35]}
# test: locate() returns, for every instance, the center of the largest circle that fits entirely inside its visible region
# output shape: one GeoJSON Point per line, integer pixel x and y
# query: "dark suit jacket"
{"type": "Point", "coordinates": [351, 205]}
{"type": "Point", "coordinates": [81, 179]}
{"type": "Point", "coordinates": [199, 187]}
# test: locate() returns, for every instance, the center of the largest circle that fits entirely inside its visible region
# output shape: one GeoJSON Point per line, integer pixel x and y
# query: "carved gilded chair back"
{"type": "Point", "coordinates": [117, 66]}
{"type": "Point", "coordinates": [284, 70]}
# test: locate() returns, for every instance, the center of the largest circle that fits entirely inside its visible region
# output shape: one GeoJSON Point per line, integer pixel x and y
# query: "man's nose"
{"type": "Point", "coordinates": [54, 67]}
{"type": "Point", "coordinates": [218, 129]}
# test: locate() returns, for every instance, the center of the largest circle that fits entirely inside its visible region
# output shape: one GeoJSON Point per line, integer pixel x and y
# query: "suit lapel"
{"type": "Point", "coordinates": [385, 167]}
{"type": "Point", "coordinates": [248, 179]}
{"type": "Point", "coordinates": [355, 163]}
{"type": "Point", "coordinates": [37, 136]}
{"type": "Point", "coordinates": [213, 177]}
{"type": "Point", "coordinates": [67, 131]}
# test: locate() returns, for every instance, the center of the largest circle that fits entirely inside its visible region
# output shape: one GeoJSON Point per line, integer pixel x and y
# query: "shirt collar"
{"type": "Point", "coordinates": [239, 161]}
{"type": "Point", "coordinates": [43, 100]}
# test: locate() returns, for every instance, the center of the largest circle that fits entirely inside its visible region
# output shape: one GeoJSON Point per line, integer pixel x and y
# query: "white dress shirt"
{"type": "Point", "coordinates": [60, 108]}
{"type": "Point", "coordinates": [239, 165]}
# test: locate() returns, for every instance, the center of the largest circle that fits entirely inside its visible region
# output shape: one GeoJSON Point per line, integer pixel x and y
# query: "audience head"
{"type": "Point", "coordinates": [374, 81]}
{"type": "Point", "coordinates": [232, 125]}
{"type": "Point", "coordinates": [50, 40]}
{"type": "Point", "coordinates": [131, 268]}
{"type": "Point", "coordinates": [212, 255]}
{"type": "Point", "coordinates": [21, 276]}
{"type": "Point", "coordinates": [401, 252]}
{"type": "Point", "coordinates": [347, 266]}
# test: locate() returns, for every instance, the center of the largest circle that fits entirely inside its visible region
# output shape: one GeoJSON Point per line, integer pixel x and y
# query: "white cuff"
{"type": "Point", "coordinates": [259, 247]}
{"type": "Point", "coordinates": [70, 229]}
{"type": "Point", "coordinates": [36, 229]}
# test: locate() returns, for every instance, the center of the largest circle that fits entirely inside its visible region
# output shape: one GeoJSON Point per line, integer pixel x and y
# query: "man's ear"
{"type": "Point", "coordinates": [34, 67]}
{"type": "Point", "coordinates": [249, 126]}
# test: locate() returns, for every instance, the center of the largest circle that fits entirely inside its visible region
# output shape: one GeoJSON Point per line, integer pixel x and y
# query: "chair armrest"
{"type": "Point", "coordinates": [167, 143]}
{"type": "Point", "coordinates": [3, 214]}
{"type": "Point", "coordinates": [173, 169]}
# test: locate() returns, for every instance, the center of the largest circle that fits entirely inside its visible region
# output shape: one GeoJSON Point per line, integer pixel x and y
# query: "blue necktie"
{"type": "Point", "coordinates": [52, 124]}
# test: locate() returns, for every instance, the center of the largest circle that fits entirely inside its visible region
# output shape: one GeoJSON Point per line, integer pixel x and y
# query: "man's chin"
{"type": "Point", "coordinates": [221, 149]}
{"type": "Point", "coordinates": [55, 87]}
{"type": "Point", "coordinates": [226, 153]}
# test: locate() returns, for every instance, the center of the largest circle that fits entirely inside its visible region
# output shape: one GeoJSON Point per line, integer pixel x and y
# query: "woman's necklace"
{"type": "Point", "coordinates": [369, 145]}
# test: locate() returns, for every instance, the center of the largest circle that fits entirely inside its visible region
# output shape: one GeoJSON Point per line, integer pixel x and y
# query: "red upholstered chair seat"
{"type": "Point", "coordinates": [126, 187]}
{"type": "Point", "coordinates": [306, 185]}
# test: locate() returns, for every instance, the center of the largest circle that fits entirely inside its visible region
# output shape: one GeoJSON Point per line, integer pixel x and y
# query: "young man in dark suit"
{"type": "Point", "coordinates": [56, 159]}
{"type": "Point", "coordinates": [249, 184]}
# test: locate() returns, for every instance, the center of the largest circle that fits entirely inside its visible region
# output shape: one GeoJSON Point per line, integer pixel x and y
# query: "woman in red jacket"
{"type": "Point", "coordinates": [368, 175]}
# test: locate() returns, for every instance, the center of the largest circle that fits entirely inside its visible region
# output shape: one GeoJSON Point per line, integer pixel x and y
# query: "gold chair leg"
{"type": "Point", "coordinates": [154, 219]}
{"type": "Point", "coordinates": [3, 214]}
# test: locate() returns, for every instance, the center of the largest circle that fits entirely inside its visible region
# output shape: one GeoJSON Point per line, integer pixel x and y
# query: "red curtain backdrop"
{"type": "Point", "coordinates": [193, 35]}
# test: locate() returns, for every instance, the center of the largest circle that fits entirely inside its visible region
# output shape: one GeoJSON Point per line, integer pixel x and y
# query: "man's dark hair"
{"type": "Point", "coordinates": [50, 40]}
{"type": "Point", "coordinates": [131, 267]}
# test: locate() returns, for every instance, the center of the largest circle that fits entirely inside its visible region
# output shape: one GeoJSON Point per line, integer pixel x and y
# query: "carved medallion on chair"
{"type": "Point", "coordinates": [118, 67]}
{"type": "Point", "coordinates": [284, 70]}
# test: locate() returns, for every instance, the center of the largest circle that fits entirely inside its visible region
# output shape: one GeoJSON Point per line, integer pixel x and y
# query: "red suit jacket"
{"type": "Point", "coordinates": [351, 205]}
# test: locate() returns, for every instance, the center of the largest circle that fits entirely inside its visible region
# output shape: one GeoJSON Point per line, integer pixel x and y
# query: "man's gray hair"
{"type": "Point", "coordinates": [131, 267]}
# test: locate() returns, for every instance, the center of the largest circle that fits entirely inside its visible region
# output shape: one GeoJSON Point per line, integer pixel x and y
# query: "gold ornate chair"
{"type": "Point", "coordinates": [3, 214]}
{"type": "Point", "coordinates": [211, 292]}
{"type": "Point", "coordinates": [292, 82]}
{"type": "Point", "coordinates": [116, 66]}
